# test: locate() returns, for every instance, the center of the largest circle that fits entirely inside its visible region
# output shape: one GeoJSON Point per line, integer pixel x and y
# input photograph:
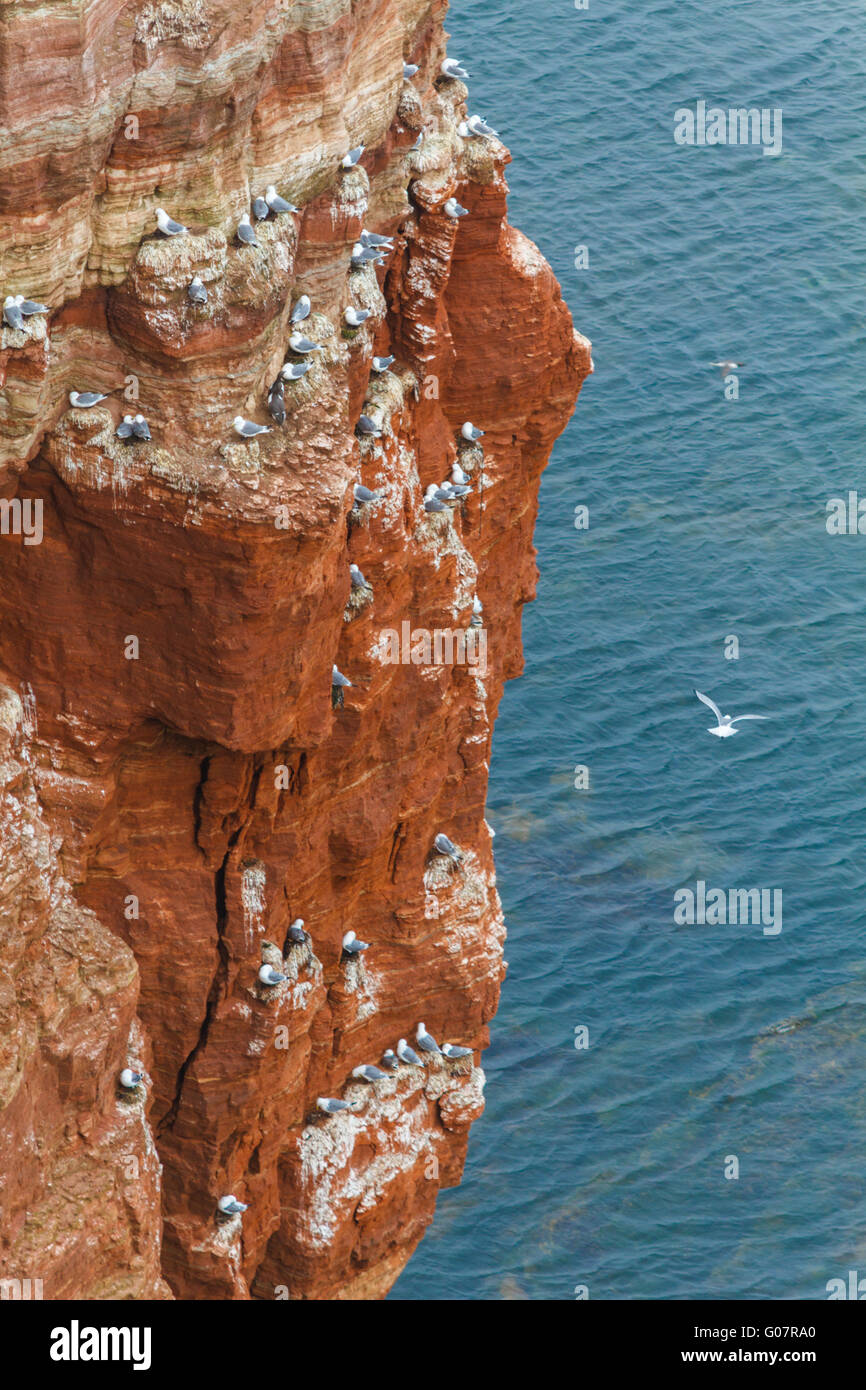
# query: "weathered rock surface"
{"type": "Point", "coordinates": [175, 786]}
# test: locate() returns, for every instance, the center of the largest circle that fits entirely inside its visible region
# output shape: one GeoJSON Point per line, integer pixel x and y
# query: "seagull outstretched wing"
{"type": "Point", "coordinates": [741, 717]}
{"type": "Point", "coordinates": [711, 704]}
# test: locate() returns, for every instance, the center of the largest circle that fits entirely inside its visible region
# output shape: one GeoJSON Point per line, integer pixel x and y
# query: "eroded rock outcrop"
{"type": "Point", "coordinates": [176, 786]}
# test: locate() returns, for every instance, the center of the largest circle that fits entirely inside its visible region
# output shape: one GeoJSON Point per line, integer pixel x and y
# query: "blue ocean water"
{"type": "Point", "coordinates": [605, 1167]}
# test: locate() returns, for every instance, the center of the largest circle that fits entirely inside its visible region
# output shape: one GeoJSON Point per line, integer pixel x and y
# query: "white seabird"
{"type": "Point", "coordinates": [230, 1206]}
{"type": "Point", "coordinates": [365, 255]}
{"type": "Point", "coordinates": [407, 1055]}
{"type": "Point", "coordinates": [246, 235]}
{"type": "Point", "coordinates": [269, 976]}
{"type": "Point", "coordinates": [447, 847]}
{"type": "Point", "coordinates": [167, 225]}
{"type": "Point", "coordinates": [30, 306]}
{"type": "Point", "coordinates": [130, 1080]}
{"type": "Point", "coordinates": [297, 935]}
{"type": "Point", "coordinates": [389, 1058]}
{"type": "Point", "coordinates": [125, 428]}
{"type": "Point", "coordinates": [355, 317]}
{"type": "Point", "coordinates": [12, 314]}
{"type": "Point", "coordinates": [329, 1106]}
{"type": "Point", "coordinates": [426, 1041]}
{"type": "Point", "coordinates": [478, 126]}
{"type": "Point", "coordinates": [261, 210]}
{"type": "Point", "coordinates": [455, 210]}
{"type": "Point", "coordinates": [454, 1053]}
{"type": "Point", "coordinates": [458, 476]}
{"type": "Point", "coordinates": [358, 580]}
{"type": "Point", "coordinates": [83, 400]}
{"type": "Point", "coordinates": [351, 945]}
{"type": "Point", "coordinates": [451, 68]}
{"type": "Point", "coordinates": [376, 240]}
{"type": "Point", "coordinates": [298, 343]}
{"type": "Point", "coordinates": [432, 503]}
{"type": "Point", "coordinates": [470, 433]}
{"type": "Point", "coordinates": [726, 724]}
{"type": "Point", "coordinates": [340, 682]}
{"type": "Point", "coordinates": [293, 371]}
{"type": "Point", "coordinates": [369, 1073]}
{"type": "Point", "coordinates": [381, 364]}
{"type": "Point", "coordinates": [301, 310]}
{"type": "Point", "coordinates": [196, 291]}
{"type": "Point", "coordinates": [409, 71]}
{"type": "Point", "coordinates": [725, 368]}
{"type": "Point", "coordinates": [247, 429]}
{"type": "Point", "coordinates": [363, 495]}
{"type": "Point", "coordinates": [140, 427]}
{"type": "Point", "coordinates": [353, 157]}
{"type": "Point", "coordinates": [276, 203]}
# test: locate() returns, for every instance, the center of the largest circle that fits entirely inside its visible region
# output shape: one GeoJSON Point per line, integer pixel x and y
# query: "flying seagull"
{"type": "Point", "coordinates": [130, 1079]}
{"type": "Point", "coordinates": [247, 430]}
{"type": "Point", "coordinates": [407, 1055]}
{"type": "Point", "coordinates": [276, 203]}
{"type": "Point", "coordinates": [230, 1205]}
{"type": "Point", "coordinates": [351, 945]}
{"type": "Point", "coordinates": [246, 235]}
{"type": "Point", "coordinates": [447, 847]}
{"type": "Point", "coordinates": [269, 976]}
{"type": "Point", "coordinates": [352, 158]}
{"type": "Point", "coordinates": [726, 724]}
{"type": "Point", "coordinates": [455, 210]}
{"type": "Point", "coordinates": [167, 225]}
{"type": "Point", "coordinates": [426, 1041]}
{"type": "Point", "coordinates": [725, 368]}
{"type": "Point", "coordinates": [451, 68]}
{"type": "Point", "coordinates": [83, 400]}
{"type": "Point", "coordinates": [196, 291]}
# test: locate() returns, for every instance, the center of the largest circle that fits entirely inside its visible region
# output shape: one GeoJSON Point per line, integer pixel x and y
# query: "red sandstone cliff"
{"type": "Point", "coordinates": [162, 814]}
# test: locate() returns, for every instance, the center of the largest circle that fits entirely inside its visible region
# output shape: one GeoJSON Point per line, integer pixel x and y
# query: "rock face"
{"type": "Point", "coordinates": [176, 783]}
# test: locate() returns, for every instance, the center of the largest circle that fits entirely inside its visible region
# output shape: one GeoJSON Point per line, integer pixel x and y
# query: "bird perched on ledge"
{"type": "Point", "coordinates": [167, 225]}
{"type": "Point", "coordinates": [297, 935]}
{"type": "Point", "coordinates": [355, 317]}
{"type": "Point", "coordinates": [454, 1053]}
{"type": "Point", "coordinates": [83, 400]}
{"type": "Point", "coordinates": [451, 68]}
{"type": "Point", "coordinates": [353, 157]}
{"type": "Point", "coordinates": [329, 1106]}
{"type": "Point", "coordinates": [426, 1041]}
{"type": "Point", "coordinates": [447, 848]}
{"type": "Point", "coordinates": [29, 307]}
{"type": "Point", "coordinates": [130, 1080]}
{"type": "Point", "coordinates": [276, 203]}
{"type": "Point", "coordinates": [196, 291]}
{"type": "Point", "coordinates": [407, 1055]}
{"type": "Point", "coordinates": [245, 234]}
{"type": "Point", "coordinates": [455, 210]}
{"type": "Point", "coordinates": [230, 1206]}
{"type": "Point", "coordinates": [352, 946]}
{"type": "Point", "coordinates": [247, 429]}
{"type": "Point", "coordinates": [470, 433]}
{"type": "Point", "coordinates": [13, 316]}
{"type": "Point", "coordinates": [369, 1073]}
{"type": "Point", "coordinates": [271, 977]}
{"type": "Point", "coordinates": [261, 211]}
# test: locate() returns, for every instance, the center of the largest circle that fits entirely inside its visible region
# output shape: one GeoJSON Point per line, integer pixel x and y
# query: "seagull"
{"type": "Point", "coordinates": [369, 427]}
{"type": "Point", "coordinates": [340, 682]}
{"type": "Point", "coordinates": [478, 126]}
{"type": "Point", "coordinates": [453, 1053]}
{"type": "Point", "coordinates": [725, 368]}
{"type": "Point", "coordinates": [167, 225]}
{"type": "Point", "coordinates": [261, 209]}
{"type": "Point", "coordinates": [407, 1055]}
{"type": "Point", "coordinates": [451, 68]}
{"type": "Point", "coordinates": [139, 427]}
{"type": "Point", "coordinates": [277, 402]}
{"type": "Point", "coordinates": [477, 610]}
{"type": "Point", "coordinates": [276, 203]}
{"type": "Point", "coordinates": [351, 945]}
{"type": "Point", "coordinates": [426, 1041]}
{"type": "Point", "coordinates": [358, 580]}
{"type": "Point", "coordinates": [351, 159]}
{"type": "Point", "coordinates": [12, 312]}
{"type": "Point", "coordinates": [458, 490]}
{"type": "Point", "coordinates": [368, 1073]}
{"type": "Point", "coordinates": [293, 371]}
{"type": "Point", "coordinates": [363, 495]}
{"type": "Point", "coordinates": [298, 343]}
{"type": "Point", "coordinates": [297, 933]}
{"type": "Point", "coordinates": [726, 724]}
{"type": "Point", "coordinates": [130, 1079]}
{"type": "Point", "coordinates": [329, 1106]}
{"type": "Point", "coordinates": [469, 432]}
{"type": "Point", "coordinates": [432, 505]}
{"type": "Point", "coordinates": [230, 1205]}
{"type": "Point", "coordinates": [374, 240]}
{"type": "Point", "coordinates": [83, 400]}
{"type": "Point", "coordinates": [355, 317]}
{"type": "Point", "coordinates": [269, 976]}
{"type": "Point", "coordinates": [196, 291]}
{"type": "Point", "coordinates": [447, 847]}
{"type": "Point", "coordinates": [30, 306]}
{"type": "Point", "coordinates": [245, 233]}
{"type": "Point", "coordinates": [125, 428]}
{"type": "Point", "coordinates": [409, 71]}
{"type": "Point", "coordinates": [301, 310]}
{"type": "Point", "coordinates": [247, 430]}
{"type": "Point", "coordinates": [381, 364]}
{"type": "Point", "coordinates": [455, 210]}
{"type": "Point", "coordinates": [389, 1059]}
{"type": "Point", "coordinates": [365, 255]}
{"type": "Point", "coordinates": [458, 476]}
